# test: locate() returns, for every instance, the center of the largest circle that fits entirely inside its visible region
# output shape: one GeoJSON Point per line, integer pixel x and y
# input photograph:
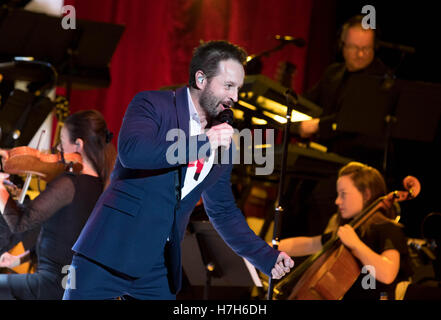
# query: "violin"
{"type": "Point", "coordinates": [330, 273]}
{"type": "Point", "coordinates": [26, 160]}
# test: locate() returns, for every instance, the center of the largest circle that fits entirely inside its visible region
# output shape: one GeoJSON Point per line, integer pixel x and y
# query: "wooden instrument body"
{"type": "Point", "coordinates": [25, 160]}
{"type": "Point", "coordinates": [329, 278]}
{"type": "Point", "coordinates": [330, 273]}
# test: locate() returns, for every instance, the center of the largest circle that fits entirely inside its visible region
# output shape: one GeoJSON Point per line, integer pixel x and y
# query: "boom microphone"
{"type": "Point", "coordinates": [298, 42]}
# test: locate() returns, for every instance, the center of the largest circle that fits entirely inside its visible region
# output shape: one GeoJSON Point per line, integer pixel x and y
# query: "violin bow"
{"type": "Point", "coordinates": [29, 175]}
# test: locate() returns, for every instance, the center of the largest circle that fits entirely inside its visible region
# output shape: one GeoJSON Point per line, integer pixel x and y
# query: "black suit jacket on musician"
{"type": "Point", "coordinates": [329, 93]}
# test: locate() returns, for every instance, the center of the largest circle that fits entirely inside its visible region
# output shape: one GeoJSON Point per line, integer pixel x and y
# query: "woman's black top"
{"type": "Point", "coordinates": [61, 209]}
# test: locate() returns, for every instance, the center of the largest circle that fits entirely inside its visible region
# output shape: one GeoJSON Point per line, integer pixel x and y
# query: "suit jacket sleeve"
{"type": "Point", "coordinates": [230, 223]}
{"type": "Point", "coordinates": [143, 141]}
{"type": "Point", "coordinates": [140, 145]}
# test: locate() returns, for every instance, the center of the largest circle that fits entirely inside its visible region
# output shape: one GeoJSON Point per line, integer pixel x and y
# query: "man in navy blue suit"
{"type": "Point", "coordinates": [131, 243]}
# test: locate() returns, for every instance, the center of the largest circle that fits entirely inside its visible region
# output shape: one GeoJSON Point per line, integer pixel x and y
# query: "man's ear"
{"type": "Point", "coordinates": [200, 79]}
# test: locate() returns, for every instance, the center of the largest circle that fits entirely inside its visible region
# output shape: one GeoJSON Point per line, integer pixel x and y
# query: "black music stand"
{"type": "Point", "coordinates": [414, 106]}
{"type": "Point", "coordinates": [21, 117]}
{"type": "Point", "coordinates": [418, 111]}
{"type": "Point", "coordinates": [88, 62]}
{"type": "Point", "coordinates": [81, 56]}
{"type": "Point", "coordinates": [208, 261]}
{"type": "Point", "coordinates": [408, 110]}
{"type": "Point", "coordinates": [366, 105]}
{"type": "Point", "coordinates": [367, 109]}
{"type": "Point", "coordinates": [26, 33]}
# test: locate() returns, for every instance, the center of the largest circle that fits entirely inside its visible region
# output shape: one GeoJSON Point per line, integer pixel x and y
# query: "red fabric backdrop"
{"type": "Point", "coordinates": [159, 37]}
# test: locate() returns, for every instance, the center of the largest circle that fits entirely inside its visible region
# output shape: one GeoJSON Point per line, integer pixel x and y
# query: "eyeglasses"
{"type": "Point", "coordinates": [353, 48]}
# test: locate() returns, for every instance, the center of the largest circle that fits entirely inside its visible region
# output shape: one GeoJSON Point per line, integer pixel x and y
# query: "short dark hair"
{"type": "Point", "coordinates": [355, 21]}
{"type": "Point", "coordinates": [207, 56]}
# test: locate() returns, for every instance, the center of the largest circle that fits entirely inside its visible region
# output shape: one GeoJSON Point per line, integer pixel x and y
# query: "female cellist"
{"type": "Point", "coordinates": [61, 209]}
{"type": "Point", "coordinates": [380, 244]}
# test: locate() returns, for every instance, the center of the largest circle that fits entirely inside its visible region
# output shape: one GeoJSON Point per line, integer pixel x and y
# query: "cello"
{"type": "Point", "coordinates": [329, 273]}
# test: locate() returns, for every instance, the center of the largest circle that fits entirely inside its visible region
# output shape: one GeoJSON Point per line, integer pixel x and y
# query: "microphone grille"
{"type": "Point", "coordinates": [226, 116]}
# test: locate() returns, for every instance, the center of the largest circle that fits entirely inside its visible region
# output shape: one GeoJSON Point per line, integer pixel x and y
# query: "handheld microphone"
{"type": "Point", "coordinates": [225, 116]}
{"type": "Point", "coordinates": [298, 42]}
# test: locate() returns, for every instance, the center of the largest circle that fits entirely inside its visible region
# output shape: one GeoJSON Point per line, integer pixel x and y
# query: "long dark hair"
{"type": "Point", "coordinates": [90, 126]}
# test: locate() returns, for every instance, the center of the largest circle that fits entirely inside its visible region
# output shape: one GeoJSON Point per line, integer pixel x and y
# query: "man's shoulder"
{"type": "Point", "coordinates": [154, 94]}
{"type": "Point", "coordinates": [377, 67]}
{"type": "Point", "coordinates": [334, 68]}
{"type": "Point", "coordinates": [154, 98]}
{"type": "Point", "coordinates": [333, 72]}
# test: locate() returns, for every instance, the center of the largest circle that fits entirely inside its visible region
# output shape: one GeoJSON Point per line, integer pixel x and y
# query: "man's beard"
{"type": "Point", "coordinates": [209, 102]}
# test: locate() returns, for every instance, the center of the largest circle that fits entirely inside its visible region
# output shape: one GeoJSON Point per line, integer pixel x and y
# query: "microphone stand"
{"type": "Point", "coordinates": [254, 65]}
{"type": "Point", "coordinates": [291, 98]}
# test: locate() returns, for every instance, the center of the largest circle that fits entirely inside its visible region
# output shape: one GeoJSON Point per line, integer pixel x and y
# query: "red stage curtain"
{"type": "Point", "coordinates": [157, 44]}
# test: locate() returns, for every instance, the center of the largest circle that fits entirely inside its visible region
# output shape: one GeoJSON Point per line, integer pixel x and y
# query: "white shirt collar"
{"type": "Point", "coordinates": [195, 122]}
{"type": "Point", "coordinates": [193, 113]}
{"type": "Point", "coordinates": [197, 170]}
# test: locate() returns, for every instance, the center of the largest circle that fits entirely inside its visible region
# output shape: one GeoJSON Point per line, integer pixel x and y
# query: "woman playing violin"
{"type": "Point", "coordinates": [379, 243]}
{"type": "Point", "coordinates": [61, 209]}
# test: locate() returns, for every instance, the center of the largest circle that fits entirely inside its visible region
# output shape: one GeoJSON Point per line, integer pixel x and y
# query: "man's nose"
{"type": "Point", "coordinates": [234, 95]}
{"type": "Point", "coordinates": [361, 53]}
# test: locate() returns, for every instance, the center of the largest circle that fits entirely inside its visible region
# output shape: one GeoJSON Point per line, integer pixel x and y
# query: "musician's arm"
{"type": "Point", "coordinates": [386, 264]}
{"type": "Point", "coordinates": [58, 194]}
{"type": "Point", "coordinates": [300, 246]}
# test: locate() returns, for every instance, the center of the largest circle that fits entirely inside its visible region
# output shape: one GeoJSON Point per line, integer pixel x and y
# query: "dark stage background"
{"type": "Point", "coordinates": [157, 44]}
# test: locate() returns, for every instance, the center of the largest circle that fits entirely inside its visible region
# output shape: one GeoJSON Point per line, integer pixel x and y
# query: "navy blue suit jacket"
{"type": "Point", "coordinates": [129, 226]}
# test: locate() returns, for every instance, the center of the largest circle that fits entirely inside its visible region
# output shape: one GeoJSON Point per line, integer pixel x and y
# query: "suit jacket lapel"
{"type": "Point", "coordinates": [183, 121]}
{"type": "Point", "coordinates": [182, 109]}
